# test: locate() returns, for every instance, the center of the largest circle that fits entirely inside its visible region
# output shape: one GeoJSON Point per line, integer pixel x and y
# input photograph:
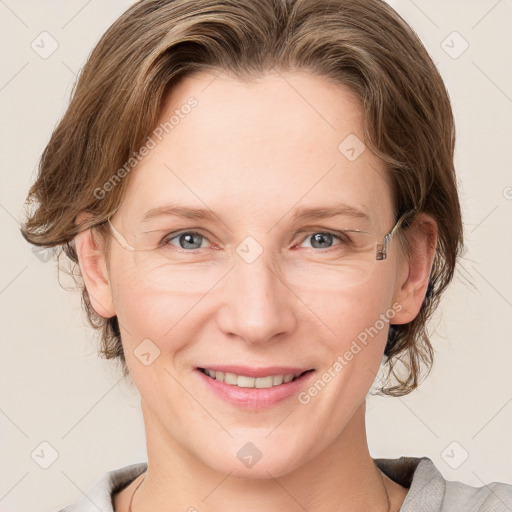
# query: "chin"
{"type": "Point", "coordinates": [260, 471]}
{"type": "Point", "coordinates": [247, 461]}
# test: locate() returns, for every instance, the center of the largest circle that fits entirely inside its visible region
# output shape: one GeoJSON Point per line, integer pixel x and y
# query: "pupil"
{"type": "Point", "coordinates": [321, 237]}
{"type": "Point", "coordinates": [188, 238]}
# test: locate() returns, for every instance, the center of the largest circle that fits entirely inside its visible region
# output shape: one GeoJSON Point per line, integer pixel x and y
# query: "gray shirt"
{"type": "Point", "coordinates": [428, 490]}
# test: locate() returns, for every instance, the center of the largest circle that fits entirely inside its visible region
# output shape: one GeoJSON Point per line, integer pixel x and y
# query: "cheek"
{"type": "Point", "coordinates": [359, 319]}
{"type": "Point", "coordinates": [347, 314]}
{"type": "Point", "coordinates": [151, 321]}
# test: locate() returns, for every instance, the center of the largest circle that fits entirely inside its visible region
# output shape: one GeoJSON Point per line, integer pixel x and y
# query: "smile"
{"type": "Point", "coordinates": [252, 388]}
{"type": "Point", "coordinates": [245, 381]}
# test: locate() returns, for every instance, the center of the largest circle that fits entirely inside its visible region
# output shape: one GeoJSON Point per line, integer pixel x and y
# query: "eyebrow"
{"type": "Point", "coordinates": [303, 213]}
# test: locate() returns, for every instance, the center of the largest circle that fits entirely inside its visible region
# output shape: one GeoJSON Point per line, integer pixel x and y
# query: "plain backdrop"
{"type": "Point", "coordinates": [59, 400]}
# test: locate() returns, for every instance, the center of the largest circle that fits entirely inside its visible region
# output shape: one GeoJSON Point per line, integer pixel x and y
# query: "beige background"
{"type": "Point", "coordinates": [55, 389]}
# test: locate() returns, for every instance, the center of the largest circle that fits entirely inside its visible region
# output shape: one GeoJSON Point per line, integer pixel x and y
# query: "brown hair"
{"type": "Point", "coordinates": [363, 45]}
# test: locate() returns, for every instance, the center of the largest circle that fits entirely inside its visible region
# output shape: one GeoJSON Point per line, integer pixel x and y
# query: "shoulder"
{"type": "Point", "coordinates": [491, 497]}
{"type": "Point", "coordinates": [98, 495]}
{"type": "Point", "coordinates": [429, 491]}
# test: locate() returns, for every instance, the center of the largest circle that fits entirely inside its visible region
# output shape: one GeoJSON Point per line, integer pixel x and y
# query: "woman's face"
{"type": "Point", "coordinates": [251, 287]}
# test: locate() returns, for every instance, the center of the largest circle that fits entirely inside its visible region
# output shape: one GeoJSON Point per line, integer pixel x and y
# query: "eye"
{"type": "Point", "coordinates": [186, 240]}
{"type": "Point", "coordinates": [324, 239]}
{"type": "Point", "coordinates": [192, 240]}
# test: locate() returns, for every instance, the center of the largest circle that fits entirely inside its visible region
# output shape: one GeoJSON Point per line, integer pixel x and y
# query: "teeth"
{"type": "Point", "coordinates": [277, 379]}
{"type": "Point", "coordinates": [243, 381]}
{"type": "Point", "coordinates": [263, 382]}
{"type": "Point", "coordinates": [246, 382]}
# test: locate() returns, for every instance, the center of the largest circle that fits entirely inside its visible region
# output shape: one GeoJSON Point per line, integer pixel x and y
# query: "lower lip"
{"type": "Point", "coordinates": [255, 398]}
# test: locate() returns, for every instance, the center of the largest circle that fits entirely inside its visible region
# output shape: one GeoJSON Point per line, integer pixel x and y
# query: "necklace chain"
{"type": "Point", "coordinates": [385, 489]}
{"type": "Point", "coordinates": [136, 489]}
{"type": "Point", "coordinates": [140, 483]}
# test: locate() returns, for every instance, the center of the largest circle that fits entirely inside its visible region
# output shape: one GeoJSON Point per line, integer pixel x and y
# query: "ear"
{"type": "Point", "coordinates": [94, 270]}
{"type": "Point", "coordinates": [414, 278]}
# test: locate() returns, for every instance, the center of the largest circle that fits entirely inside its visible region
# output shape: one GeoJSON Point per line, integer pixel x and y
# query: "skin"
{"type": "Point", "coordinates": [252, 153]}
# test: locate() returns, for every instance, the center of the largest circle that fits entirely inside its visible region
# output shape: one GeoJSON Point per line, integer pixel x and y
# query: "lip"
{"type": "Point", "coordinates": [255, 399]}
{"type": "Point", "coordinates": [250, 371]}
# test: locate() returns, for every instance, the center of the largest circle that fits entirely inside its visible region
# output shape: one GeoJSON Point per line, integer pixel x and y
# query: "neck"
{"type": "Point", "coordinates": [341, 478]}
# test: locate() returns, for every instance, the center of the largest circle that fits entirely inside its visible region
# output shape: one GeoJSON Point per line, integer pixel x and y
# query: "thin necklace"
{"type": "Point", "coordinates": [140, 483]}
{"type": "Point", "coordinates": [136, 489]}
{"type": "Point", "coordinates": [385, 489]}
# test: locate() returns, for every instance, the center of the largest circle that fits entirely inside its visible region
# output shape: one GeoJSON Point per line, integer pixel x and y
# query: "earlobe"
{"type": "Point", "coordinates": [414, 282]}
{"type": "Point", "coordinates": [94, 272]}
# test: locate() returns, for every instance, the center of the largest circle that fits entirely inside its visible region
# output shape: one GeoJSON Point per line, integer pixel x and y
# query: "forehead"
{"type": "Point", "coordinates": [294, 111]}
{"type": "Point", "coordinates": [279, 140]}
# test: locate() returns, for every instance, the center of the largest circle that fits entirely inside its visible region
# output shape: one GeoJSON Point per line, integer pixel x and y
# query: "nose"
{"type": "Point", "coordinates": [258, 304]}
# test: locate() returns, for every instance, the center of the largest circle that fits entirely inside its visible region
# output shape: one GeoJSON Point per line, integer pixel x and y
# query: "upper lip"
{"type": "Point", "coordinates": [251, 371]}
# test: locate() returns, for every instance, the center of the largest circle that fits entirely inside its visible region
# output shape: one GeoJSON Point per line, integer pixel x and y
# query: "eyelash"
{"type": "Point", "coordinates": [341, 236]}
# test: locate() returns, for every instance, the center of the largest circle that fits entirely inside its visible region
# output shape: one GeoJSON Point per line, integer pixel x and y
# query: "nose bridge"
{"type": "Point", "coordinates": [258, 303]}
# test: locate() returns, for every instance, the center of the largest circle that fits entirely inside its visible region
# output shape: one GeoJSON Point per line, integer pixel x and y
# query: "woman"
{"type": "Point", "coordinates": [261, 199]}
